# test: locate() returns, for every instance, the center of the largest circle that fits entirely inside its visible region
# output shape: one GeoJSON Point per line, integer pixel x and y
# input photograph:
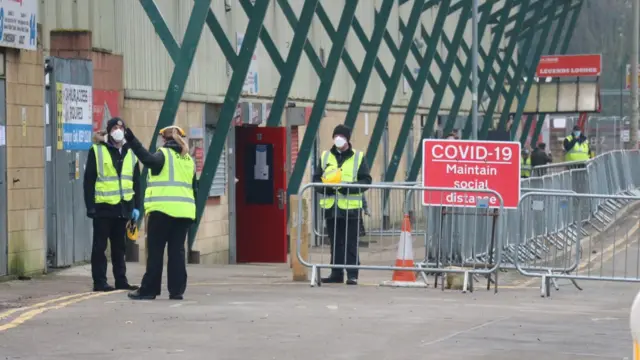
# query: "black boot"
{"type": "Point", "coordinates": [103, 288]}
{"type": "Point", "coordinates": [136, 295]}
{"type": "Point", "coordinates": [334, 278]}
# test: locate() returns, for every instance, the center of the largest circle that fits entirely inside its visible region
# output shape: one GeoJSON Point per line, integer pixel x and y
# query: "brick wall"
{"type": "Point", "coordinates": [212, 240]}
{"type": "Point", "coordinates": [25, 161]}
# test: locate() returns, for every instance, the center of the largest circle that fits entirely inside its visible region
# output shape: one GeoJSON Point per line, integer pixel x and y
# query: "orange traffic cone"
{"type": "Point", "coordinates": [405, 254]}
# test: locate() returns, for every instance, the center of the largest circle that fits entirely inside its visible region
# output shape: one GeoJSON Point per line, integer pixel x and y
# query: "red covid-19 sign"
{"type": "Point", "coordinates": [569, 65]}
{"type": "Point", "coordinates": [464, 165]}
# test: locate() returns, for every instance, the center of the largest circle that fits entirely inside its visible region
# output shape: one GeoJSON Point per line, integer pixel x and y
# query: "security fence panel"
{"type": "Point", "coordinates": [3, 182]}
{"type": "Point", "coordinates": [69, 124]}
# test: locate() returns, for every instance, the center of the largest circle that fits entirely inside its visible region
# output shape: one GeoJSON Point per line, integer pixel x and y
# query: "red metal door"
{"type": "Point", "coordinates": [261, 223]}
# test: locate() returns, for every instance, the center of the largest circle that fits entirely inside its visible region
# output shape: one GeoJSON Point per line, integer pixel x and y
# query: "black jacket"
{"type": "Point", "coordinates": [155, 161]}
{"type": "Point", "coordinates": [539, 158]}
{"type": "Point", "coordinates": [362, 177]}
{"type": "Point", "coordinates": [124, 208]}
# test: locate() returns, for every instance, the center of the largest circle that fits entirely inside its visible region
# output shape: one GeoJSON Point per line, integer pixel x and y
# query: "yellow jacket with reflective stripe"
{"type": "Point", "coordinates": [349, 169]}
{"type": "Point", "coordinates": [525, 166]}
{"type": "Point", "coordinates": [171, 191]}
{"type": "Point", "coordinates": [579, 152]}
{"type": "Point", "coordinates": [111, 188]}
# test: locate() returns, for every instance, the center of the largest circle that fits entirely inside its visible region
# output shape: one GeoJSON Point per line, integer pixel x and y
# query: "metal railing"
{"type": "Point", "coordinates": [541, 243]}
{"type": "Point", "coordinates": [346, 246]}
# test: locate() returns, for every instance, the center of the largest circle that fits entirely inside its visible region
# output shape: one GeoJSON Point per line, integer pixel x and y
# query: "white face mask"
{"type": "Point", "coordinates": [117, 135]}
{"type": "Point", "coordinates": [339, 142]}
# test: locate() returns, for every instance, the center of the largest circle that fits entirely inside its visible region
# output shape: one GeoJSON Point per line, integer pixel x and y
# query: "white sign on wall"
{"type": "Point", "coordinates": [19, 24]}
{"type": "Point", "coordinates": [75, 116]}
{"type": "Point", "coordinates": [251, 84]}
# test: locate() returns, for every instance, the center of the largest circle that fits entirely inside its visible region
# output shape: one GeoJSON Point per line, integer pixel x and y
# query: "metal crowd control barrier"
{"type": "Point", "coordinates": [608, 253]}
{"type": "Point", "coordinates": [378, 252]}
{"type": "Point", "coordinates": [377, 219]}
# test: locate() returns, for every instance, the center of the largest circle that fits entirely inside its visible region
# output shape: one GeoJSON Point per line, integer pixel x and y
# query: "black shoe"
{"type": "Point", "coordinates": [176, 297]}
{"type": "Point", "coordinates": [352, 281]}
{"type": "Point", "coordinates": [136, 295]}
{"type": "Point", "coordinates": [127, 287]}
{"type": "Point", "coordinates": [332, 280]}
{"type": "Point", "coordinates": [103, 288]}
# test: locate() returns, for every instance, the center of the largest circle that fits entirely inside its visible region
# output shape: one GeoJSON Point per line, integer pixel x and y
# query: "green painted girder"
{"type": "Point", "coordinates": [531, 71]}
{"type": "Point", "coordinates": [532, 7]}
{"type": "Point", "coordinates": [414, 100]}
{"type": "Point", "coordinates": [489, 60]}
{"type": "Point", "coordinates": [184, 57]}
{"type": "Point", "coordinates": [531, 24]}
{"type": "Point", "coordinates": [290, 15]}
{"type": "Point", "coordinates": [288, 72]}
{"type": "Point", "coordinates": [396, 73]}
{"type": "Point", "coordinates": [322, 96]}
{"type": "Point", "coordinates": [439, 92]}
{"type": "Point", "coordinates": [267, 41]}
{"type": "Point", "coordinates": [368, 64]}
{"type": "Point", "coordinates": [465, 76]}
{"type": "Point", "coordinates": [231, 99]}
{"type": "Point", "coordinates": [523, 53]}
{"type": "Point", "coordinates": [499, 81]}
{"type": "Point", "coordinates": [563, 50]}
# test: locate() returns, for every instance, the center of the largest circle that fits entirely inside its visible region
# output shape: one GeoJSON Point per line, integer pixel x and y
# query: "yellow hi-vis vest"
{"type": "Point", "coordinates": [579, 152]}
{"type": "Point", "coordinates": [525, 167]}
{"type": "Point", "coordinates": [171, 191]}
{"type": "Point", "coordinates": [349, 171]}
{"type": "Point", "coordinates": [111, 188]}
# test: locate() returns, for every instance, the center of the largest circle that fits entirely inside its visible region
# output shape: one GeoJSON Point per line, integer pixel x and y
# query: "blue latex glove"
{"type": "Point", "coordinates": [135, 215]}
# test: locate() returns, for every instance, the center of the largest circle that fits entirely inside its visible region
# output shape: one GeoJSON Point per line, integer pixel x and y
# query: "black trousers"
{"type": "Point", "coordinates": [115, 230]}
{"type": "Point", "coordinates": [343, 234]}
{"type": "Point", "coordinates": [164, 230]}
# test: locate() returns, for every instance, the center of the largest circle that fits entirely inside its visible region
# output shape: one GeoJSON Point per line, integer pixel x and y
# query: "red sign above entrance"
{"type": "Point", "coordinates": [569, 65]}
{"type": "Point", "coordinates": [490, 165]}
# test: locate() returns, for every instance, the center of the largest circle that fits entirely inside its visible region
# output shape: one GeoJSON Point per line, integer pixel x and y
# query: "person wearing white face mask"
{"type": "Point", "coordinates": [112, 198]}
{"type": "Point", "coordinates": [576, 147]}
{"type": "Point", "coordinates": [343, 206]}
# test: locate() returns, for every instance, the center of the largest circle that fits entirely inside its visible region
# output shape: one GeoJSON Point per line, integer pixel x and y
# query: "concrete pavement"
{"type": "Point", "coordinates": [255, 312]}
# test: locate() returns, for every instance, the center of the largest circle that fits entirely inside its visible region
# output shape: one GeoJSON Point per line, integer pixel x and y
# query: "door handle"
{"type": "Point", "coordinates": [282, 199]}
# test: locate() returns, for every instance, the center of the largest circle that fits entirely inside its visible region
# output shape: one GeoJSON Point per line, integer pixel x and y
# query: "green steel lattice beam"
{"type": "Point", "coordinates": [563, 50]}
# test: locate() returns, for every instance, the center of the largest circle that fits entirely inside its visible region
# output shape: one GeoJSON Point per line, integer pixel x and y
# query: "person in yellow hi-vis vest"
{"type": "Point", "coordinates": [170, 202]}
{"type": "Point", "coordinates": [576, 146]}
{"type": "Point", "coordinates": [112, 198]}
{"type": "Point", "coordinates": [342, 206]}
{"type": "Point", "coordinates": [525, 164]}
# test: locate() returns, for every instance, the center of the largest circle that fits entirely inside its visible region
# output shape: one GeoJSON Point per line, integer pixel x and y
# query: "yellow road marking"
{"type": "Point", "coordinates": [33, 313]}
{"type": "Point", "coordinates": [608, 251]}
{"type": "Point", "coordinates": [6, 314]}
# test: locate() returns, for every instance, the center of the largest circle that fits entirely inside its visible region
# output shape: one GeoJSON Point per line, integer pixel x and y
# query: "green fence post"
{"type": "Point", "coordinates": [499, 84]}
{"type": "Point", "coordinates": [381, 20]}
{"type": "Point", "coordinates": [412, 107]}
{"type": "Point", "coordinates": [322, 96]}
{"type": "Point", "coordinates": [490, 59]}
{"type": "Point", "coordinates": [530, 73]}
{"type": "Point", "coordinates": [293, 60]}
{"type": "Point", "coordinates": [565, 45]}
{"type": "Point", "coordinates": [228, 109]}
{"type": "Point", "coordinates": [394, 80]}
{"type": "Point", "coordinates": [439, 92]}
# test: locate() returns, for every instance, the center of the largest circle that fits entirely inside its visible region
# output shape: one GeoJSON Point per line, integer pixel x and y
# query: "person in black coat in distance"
{"type": "Point", "coordinates": [342, 224]}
